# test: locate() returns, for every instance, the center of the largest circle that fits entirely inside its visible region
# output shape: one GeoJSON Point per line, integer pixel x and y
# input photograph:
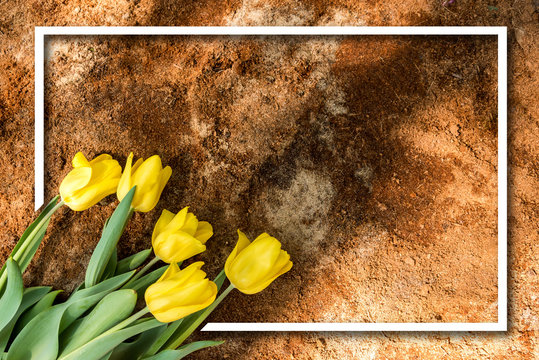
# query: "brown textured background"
{"type": "Point", "coordinates": [373, 160]}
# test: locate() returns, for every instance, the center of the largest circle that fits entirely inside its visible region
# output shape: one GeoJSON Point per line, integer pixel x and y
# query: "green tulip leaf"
{"type": "Point", "coordinates": [184, 327]}
{"type": "Point", "coordinates": [25, 256]}
{"type": "Point", "coordinates": [136, 349]}
{"type": "Point", "coordinates": [110, 270]}
{"type": "Point", "coordinates": [42, 305]}
{"type": "Point", "coordinates": [106, 357]}
{"type": "Point", "coordinates": [107, 285]}
{"type": "Point", "coordinates": [183, 351]}
{"type": "Point", "coordinates": [67, 334]}
{"type": "Point", "coordinates": [78, 288]}
{"type": "Point", "coordinates": [140, 285]}
{"type": "Point", "coordinates": [109, 239]}
{"type": "Point", "coordinates": [103, 344]}
{"type": "Point", "coordinates": [33, 225]}
{"type": "Point", "coordinates": [111, 310]}
{"type": "Point", "coordinates": [163, 338]}
{"type": "Point", "coordinates": [132, 262]}
{"type": "Point", "coordinates": [220, 279]}
{"type": "Point", "coordinates": [78, 308]}
{"type": "Point", "coordinates": [30, 229]}
{"type": "Point", "coordinates": [12, 298]}
{"type": "Point", "coordinates": [84, 299]}
{"type": "Point", "coordinates": [39, 339]}
{"type": "Point", "coordinates": [31, 238]}
{"type": "Point", "coordinates": [30, 297]}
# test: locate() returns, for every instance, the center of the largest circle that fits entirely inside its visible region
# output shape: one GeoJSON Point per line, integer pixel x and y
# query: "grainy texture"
{"type": "Point", "coordinates": [372, 159]}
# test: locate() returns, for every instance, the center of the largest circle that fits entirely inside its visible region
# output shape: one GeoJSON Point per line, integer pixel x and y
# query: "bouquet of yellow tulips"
{"type": "Point", "coordinates": [99, 320]}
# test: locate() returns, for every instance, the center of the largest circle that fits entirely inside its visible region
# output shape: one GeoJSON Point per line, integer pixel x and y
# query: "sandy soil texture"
{"type": "Point", "coordinates": [373, 159]}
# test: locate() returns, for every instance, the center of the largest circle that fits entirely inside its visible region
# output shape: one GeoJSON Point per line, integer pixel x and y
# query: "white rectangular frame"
{"type": "Point", "coordinates": [499, 31]}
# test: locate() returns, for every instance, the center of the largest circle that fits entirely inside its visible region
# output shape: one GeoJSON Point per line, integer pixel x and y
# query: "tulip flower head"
{"type": "Point", "coordinates": [90, 181]}
{"type": "Point", "coordinates": [251, 267]}
{"type": "Point", "coordinates": [177, 237]}
{"type": "Point", "coordinates": [150, 178]}
{"type": "Point", "coordinates": [179, 293]}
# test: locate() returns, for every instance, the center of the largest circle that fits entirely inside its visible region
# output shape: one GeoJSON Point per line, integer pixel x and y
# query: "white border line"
{"type": "Point", "coordinates": [499, 31]}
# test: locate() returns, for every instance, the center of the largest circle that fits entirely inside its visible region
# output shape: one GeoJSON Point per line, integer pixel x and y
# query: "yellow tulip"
{"type": "Point", "coordinates": [177, 237]}
{"type": "Point", "coordinates": [150, 179]}
{"type": "Point", "coordinates": [90, 181]}
{"type": "Point", "coordinates": [251, 267]}
{"type": "Point", "coordinates": [179, 293]}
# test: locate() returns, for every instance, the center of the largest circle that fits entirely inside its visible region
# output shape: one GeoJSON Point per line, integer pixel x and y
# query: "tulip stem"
{"type": "Point", "coordinates": [28, 242]}
{"type": "Point", "coordinates": [128, 321]}
{"type": "Point", "coordinates": [37, 229]}
{"type": "Point", "coordinates": [192, 327]}
{"type": "Point", "coordinates": [142, 271]}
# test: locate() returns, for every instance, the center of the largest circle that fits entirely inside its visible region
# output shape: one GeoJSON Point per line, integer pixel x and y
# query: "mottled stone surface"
{"type": "Point", "coordinates": [372, 159]}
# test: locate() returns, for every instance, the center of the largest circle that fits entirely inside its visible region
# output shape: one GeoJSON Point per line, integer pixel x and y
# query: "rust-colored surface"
{"type": "Point", "coordinates": [372, 159]}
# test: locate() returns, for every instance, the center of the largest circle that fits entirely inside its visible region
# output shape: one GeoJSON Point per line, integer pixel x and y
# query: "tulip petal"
{"type": "Point", "coordinates": [252, 267]}
{"type": "Point", "coordinates": [264, 284]}
{"type": "Point", "coordinates": [91, 195]}
{"type": "Point", "coordinates": [282, 260]}
{"type": "Point", "coordinates": [191, 224]}
{"type": "Point", "coordinates": [150, 192]}
{"type": "Point", "coordinates": [150, 179]}
{"type": "Point", "coordinates": [190, 271]}
{"type": "Point", "coordinates": [204, 231]}
{"type": "Point", "coordinates": [100, 158]}
{"type": "Point", "coordinates": [89, 182]}
{"type": "Point", "coordinates": [165, 218]}
{"type": "Point", "coordinates": [177, 246]}
{"type": "Point", "coordinates": [255, 262]}
{"type": "Point", "coordinates": [165, 176]}
{"type": "Point", "coordinates": [178, 313]}
{"type": "Point", "coordinates": [261, 236]}
{"type": "Point", "coordinates": [125, 180]}
{"type": "Point", "coordinates": [242, 243]}
{"type": "Point", "coordinates": [189, 294]}
{"type": "Point", "coordinates": [148, 172]}
{"type": "Point", "coordinates": [76, 179]}
{"type": "Point", "coordinates": [79, 160]}
{"type": "Point", "coordinates": [105, 170]}
{"type": "Point", "coordinates": [180, 293]}
{"type": "Point", "coordinates": [282, 265]}
{"type": "Point", "coordinates": [174, 313]}
{"type": "Point", "coordinates": [136, 165]}
{"type": "Point", "coordinates": [172, 270]}
{"type": "Point", "coordinates": [177, 222]}
{"type": "Point", "coordinates": [174, 278]}
{"type": "Point", "coordinates": [146, 177]}
{"type": "Point", "coordinates": [146, 199]}
{"type": "Point", "coordinates": [150, 197]}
